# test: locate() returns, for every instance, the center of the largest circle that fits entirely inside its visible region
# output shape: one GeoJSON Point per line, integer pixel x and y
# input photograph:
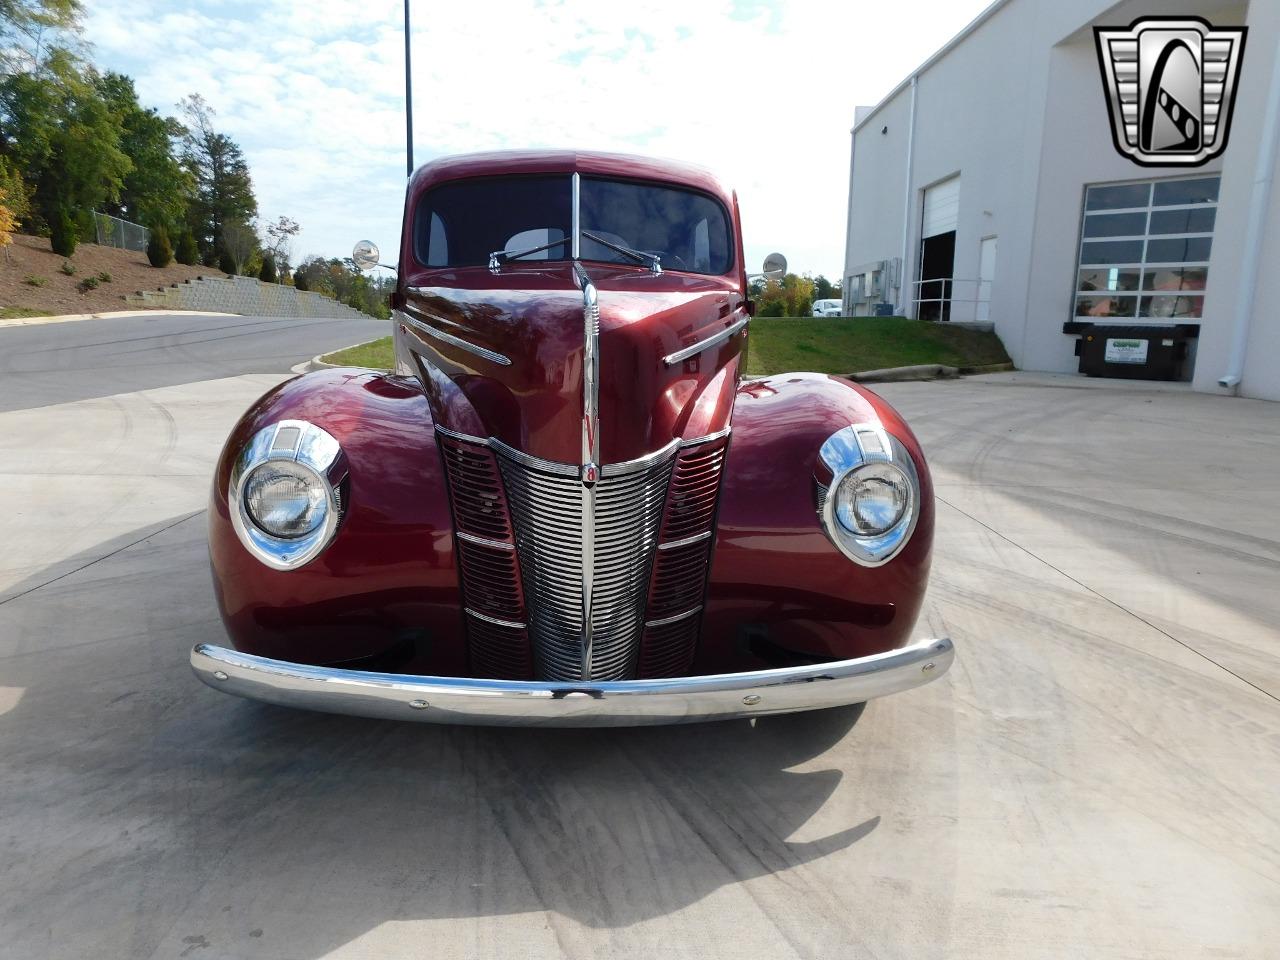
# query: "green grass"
{"type": "Point", "coordinates": [854, 344]}
{"type": "Point", "coordinates": [819, 345]}
{"type": "Point", "coordinates": [378, 354]}
{"type": "Point", "coordinates": [17, 313]}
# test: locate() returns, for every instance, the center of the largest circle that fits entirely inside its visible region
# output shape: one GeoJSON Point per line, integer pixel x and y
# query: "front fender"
{"type": "Point", "coordinates": [779, 589]}
{"type": "Point", "coordinates": [387, 583]}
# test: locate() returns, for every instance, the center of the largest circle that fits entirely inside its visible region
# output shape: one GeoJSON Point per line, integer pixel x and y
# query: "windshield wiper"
{"type": "Point", "coordinates": [499, 257]}
{"type": "Point", "coordinates": [653, 261]}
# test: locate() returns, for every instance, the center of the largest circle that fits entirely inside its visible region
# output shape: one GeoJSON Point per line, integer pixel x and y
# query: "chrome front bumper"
{"type": "Point", "coordinates": [608, 704]}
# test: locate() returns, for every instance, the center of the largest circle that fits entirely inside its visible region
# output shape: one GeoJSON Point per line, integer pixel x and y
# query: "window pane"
{"type": "Point", "coordinates": [1176, 278]}
{"type": "Point", "coordinates": [1173, 308]}
{"type": "Point", "coordinates": [1111, 251]}
{"type": "Point", "coordinates": [458, 224]}
{"type": "Point", "coordinates": [1186, 191]}
{"type": "Point", "coordinates": [1115, 278]}
{"type": "Point", "coordinates": [1116, 225]}
{"type": "Point", "coordinates": [1189, 220]}
{"type": "Point", "coordinates": [1178, 251]}
{"type": "Point", "coordinates": [1105, 306]}
{"type": "Point", "coordinates": [667, 221]}
{"type": "Point", "coordinates": [1117, 197]}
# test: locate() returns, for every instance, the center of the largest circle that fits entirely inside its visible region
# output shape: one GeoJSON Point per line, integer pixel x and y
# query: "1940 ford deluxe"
{"type": "Point", "coordinates": [566, 505]}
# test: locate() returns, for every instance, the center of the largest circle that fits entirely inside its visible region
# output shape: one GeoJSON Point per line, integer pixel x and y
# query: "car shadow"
{"type": "Point", "coordinates": [190, 819]}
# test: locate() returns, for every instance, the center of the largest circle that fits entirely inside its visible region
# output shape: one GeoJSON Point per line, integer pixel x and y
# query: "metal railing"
{"type": "Point", "coordinates": [937, 299]}
{"type": "Point", "coordinates": [114, 232]}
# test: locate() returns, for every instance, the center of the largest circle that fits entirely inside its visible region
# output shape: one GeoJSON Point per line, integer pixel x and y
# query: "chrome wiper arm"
{"type": "Point", "coordinates": [499, 257]}
{"type": "Point", "coordinates": [653, 261]}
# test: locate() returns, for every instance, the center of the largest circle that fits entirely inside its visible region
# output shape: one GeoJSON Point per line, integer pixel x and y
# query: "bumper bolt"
{"type": "Point", "coordinates": [419, 704]}
{"type": "Point", "coordinates": [751, 699]}
{"type": "Point", "coordinates": [219, 675]}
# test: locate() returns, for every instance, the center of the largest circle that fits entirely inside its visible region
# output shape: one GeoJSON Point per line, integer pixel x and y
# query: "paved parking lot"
{"type": "Point", "coordinates": [1096, 777]}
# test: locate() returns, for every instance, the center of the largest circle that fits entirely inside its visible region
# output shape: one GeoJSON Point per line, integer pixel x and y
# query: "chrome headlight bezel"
{"type": "Point", "coordinates": [305, 446]}
{"type": "Point", "coordinates": [848, 451]}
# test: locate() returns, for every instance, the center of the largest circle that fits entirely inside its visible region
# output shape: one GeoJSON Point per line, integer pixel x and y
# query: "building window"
{"type": "Point", "coordinates": [1144, 250]}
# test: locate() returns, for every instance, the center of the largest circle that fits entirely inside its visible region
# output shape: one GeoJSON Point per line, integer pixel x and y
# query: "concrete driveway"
{"type": "Point", "coordinates": [1097, 776]}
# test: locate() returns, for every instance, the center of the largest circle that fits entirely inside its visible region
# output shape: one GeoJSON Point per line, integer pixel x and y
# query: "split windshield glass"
{"type": "Point", "coordinates": [460, 224]}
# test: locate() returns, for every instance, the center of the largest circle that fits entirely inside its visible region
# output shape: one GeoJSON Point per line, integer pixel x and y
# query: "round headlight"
{"type": "Point", "coordinates": [872, 499]}
{"type": "Point", "coordinates": [285, 499]}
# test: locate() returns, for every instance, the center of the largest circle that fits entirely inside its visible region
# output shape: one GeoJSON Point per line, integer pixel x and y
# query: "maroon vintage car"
{"type": "Point", "coordinates": [566, 505]}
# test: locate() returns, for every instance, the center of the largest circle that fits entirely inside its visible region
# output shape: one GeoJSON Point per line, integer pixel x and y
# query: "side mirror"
{"type": "Point", "coordinates": [366, 255]}
{"type": "Point", "coordinates": [775, 266]}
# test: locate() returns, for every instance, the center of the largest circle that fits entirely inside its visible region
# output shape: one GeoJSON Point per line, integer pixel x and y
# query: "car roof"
{"type": "Point", "coordinates": [621, 165]}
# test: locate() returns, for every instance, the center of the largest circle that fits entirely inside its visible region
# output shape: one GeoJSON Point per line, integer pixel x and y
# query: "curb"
{"type": "Point", "coordinates": [315, 363]}
{"type": "Point", "coordinates": [108, 315]}
{"type": "Point", "coordinates": [924, 371]}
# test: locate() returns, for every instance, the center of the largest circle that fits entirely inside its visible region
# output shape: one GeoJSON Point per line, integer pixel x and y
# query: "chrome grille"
{"type": "Point", "coordinates": [546, 510]}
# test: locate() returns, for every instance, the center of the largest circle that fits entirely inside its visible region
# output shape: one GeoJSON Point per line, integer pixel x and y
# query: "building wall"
{"type": "Point", "coordinates": [1016, 109]}
{"type": "Point", "coordinates": [1262, 368]}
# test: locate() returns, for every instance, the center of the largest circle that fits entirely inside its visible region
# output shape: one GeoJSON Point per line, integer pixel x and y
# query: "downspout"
{"type": "Point", "coordinates": [908, 303]}
{"type": "Point", "coordinates": [1261, 196]}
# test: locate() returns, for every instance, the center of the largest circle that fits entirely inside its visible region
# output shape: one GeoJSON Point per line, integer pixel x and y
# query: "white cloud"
{"type": "Point", "coordinates": [761, 93]}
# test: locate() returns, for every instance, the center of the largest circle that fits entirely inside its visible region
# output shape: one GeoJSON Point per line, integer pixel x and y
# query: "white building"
{"type": "Point", "coordinates": [993, 165]}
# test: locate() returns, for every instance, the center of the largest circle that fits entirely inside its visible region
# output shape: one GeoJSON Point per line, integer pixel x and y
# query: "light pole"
{"type": "Point", "coordinates": [408, 95]}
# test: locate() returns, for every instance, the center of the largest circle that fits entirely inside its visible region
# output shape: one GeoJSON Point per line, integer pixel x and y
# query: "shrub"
{"type": "Point", "coordinates": [159, 251]}
{"type": "Point", "coordinates": [68, 268]}
{"type": "Point", "coordinates": [772, 308]}
{"type": "Point", "coordinates": [104, 277]}
{"type": "Point", "coordinates": [300, 281]}
{"type": "Point", "coordinates": [62, 234]}
{"type": "Point", "coordinates": [227, 264]}
{"type": "Point", "coordinates": [31, 280]}
{"type": "Point", "coordinates": [268, 272]}
{"type": "Point", "coordinates": [87, 284]}
{"type": "Point", "coordinates": [188, 251]}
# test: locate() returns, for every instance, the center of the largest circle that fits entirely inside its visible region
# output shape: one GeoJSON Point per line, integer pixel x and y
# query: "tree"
{"type": "Point", "coordinates": [159, 252]}
{"type": "Point", "coordinates": [279, 241]}
{"type": "Point", "coordinates": [268, 272]}
{"type": "Point", "coordinates": [62, 233]}
{"type": "Point", "coordinates": [239, 243]}
{"type": "Point", "coordinates": [34, 32]}
{"type": "Point", "coordinates": [223, 188]}
{"type": "Point", "coordinates": [158, 188]}
{"type": "Point", "coordinates": [824, 289]}
{"type": "Point", "coordinates": [8, 222]}
{"type": "Point", "coordinates": [187, 251]}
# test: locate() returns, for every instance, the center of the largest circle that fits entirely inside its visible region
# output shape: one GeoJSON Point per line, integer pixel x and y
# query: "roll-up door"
{"type": "Point", "coordinates": [941, 208]}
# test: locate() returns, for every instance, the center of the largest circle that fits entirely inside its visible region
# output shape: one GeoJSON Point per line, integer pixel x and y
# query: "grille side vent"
{"type": "Point", "coordinates": [680, 568]}
{"type": "Point", "coordinates": [489, 568]}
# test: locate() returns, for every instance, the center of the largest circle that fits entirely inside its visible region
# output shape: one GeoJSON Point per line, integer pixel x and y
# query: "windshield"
{"type": "Point", "coordinates": [460, 224]}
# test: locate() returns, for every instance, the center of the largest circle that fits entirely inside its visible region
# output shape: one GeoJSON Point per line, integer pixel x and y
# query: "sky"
{"type": "Point", "coordinates": [761, 93]}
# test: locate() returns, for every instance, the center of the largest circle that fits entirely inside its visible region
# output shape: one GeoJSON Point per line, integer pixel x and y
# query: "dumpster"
{"type": "Point", "coordinates": [1140, 352]}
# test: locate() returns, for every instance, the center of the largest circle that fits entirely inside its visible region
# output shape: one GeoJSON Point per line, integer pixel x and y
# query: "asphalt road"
{"type": "Point", "coordinates": [1096, 777]}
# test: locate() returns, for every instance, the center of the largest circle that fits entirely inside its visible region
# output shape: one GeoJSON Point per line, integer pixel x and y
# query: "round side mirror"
{"type": "Point", "coordinates": [366, 255]}
{"type": "Point", "coordinates": [775, 266]}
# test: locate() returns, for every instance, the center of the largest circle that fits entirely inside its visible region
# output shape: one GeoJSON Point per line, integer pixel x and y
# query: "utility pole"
{"type": "Point", "coordinates": [408, 95]}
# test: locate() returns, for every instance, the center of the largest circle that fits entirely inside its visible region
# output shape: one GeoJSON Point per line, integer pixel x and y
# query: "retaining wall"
{"type": "Point", "coordinates": [244, 295]}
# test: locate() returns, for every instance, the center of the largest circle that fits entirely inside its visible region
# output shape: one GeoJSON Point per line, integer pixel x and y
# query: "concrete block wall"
{"type": "Point", "coordinates": [244, 295]}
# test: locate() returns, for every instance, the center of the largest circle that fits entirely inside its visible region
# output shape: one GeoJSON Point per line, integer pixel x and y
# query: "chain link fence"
{"type": "Point", "coordinates": [114, 232]}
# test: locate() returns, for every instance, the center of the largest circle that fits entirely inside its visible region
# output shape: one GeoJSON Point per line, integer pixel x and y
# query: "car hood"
{"type": "Point", "coordinates": [501, 355]}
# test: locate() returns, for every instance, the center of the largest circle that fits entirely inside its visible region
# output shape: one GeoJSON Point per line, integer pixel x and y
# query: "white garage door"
{"type": "Point", "coordinates": [941, 207]}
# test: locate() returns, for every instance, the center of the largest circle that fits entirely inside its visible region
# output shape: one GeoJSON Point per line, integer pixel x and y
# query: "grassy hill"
{"type": "Point", "coordinates": [33, 282]}
{"type": "Point", "coordinates": [837, 345]}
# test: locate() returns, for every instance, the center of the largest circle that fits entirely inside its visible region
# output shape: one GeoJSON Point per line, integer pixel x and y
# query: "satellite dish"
{"type": "Point", "coordinates": [775, 266]}
{"type": "Point", "coordinates": [366, 255]}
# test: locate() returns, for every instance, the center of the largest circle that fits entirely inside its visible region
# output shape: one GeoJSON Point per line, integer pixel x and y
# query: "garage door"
{"type": "Point", "coordinates": [941, 207]}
